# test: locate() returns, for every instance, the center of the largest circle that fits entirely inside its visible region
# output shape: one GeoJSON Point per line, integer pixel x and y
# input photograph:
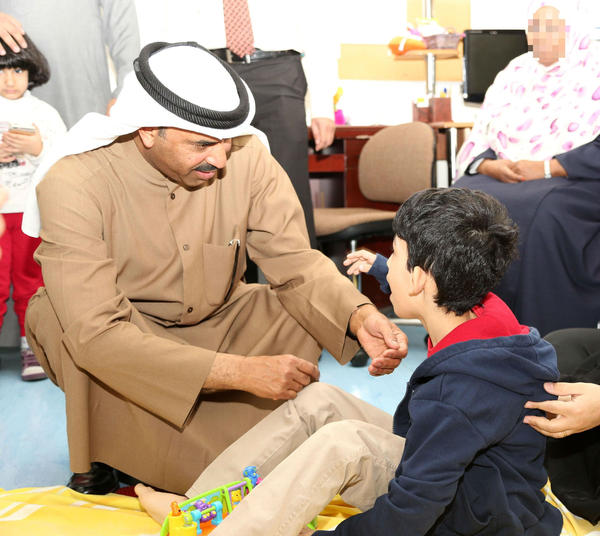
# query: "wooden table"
{"type": "Point", "coordinates": [455, 134]}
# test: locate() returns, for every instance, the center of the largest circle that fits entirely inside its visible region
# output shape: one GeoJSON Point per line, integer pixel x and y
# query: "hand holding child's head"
{"type": "Point", "coordinates": [11, 34]}
{"type": "Point", "coordinates": [22, 70]}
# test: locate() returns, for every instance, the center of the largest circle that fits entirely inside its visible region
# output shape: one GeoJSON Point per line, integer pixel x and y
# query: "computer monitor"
{"type": "Point", "coordinates": [486, 53]}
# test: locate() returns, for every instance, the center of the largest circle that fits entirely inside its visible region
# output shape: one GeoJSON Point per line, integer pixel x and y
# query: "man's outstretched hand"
{"type": "Point", "coordinates": [383, 341]}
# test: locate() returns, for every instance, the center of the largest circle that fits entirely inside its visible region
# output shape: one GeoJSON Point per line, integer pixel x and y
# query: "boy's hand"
{"type": "Point", "coordinates": [24, 143]}
{"type": "Point", "coordinates": [576, 410]}
{"type": "Point", "coordinates": [359, 261]}
{"type": "Point", "coordinates": [386, 345]}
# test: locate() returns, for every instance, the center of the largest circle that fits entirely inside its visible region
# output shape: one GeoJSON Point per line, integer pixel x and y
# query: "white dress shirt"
{"type": "Point", "coordinates": [276, 24]}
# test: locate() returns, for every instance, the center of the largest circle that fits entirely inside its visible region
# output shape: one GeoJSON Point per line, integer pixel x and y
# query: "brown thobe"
{"type": "Point", "coordinates": [143, 287]}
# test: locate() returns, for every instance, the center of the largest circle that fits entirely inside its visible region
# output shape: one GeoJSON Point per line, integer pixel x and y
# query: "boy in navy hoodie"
{"type": "Point", "coordinates": [457, 457]}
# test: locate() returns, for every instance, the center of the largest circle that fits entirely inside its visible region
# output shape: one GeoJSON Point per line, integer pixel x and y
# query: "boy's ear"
{"type": "Point", "coordinates": [418, 280]}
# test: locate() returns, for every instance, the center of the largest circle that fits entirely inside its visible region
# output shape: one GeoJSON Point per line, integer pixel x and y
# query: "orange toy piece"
{"type": "Point", "coordinates": [175, 510]}
{"type": "Point", "coordinates": [175, 517]}
{"type": "Point", "coordinates": [402, 44]}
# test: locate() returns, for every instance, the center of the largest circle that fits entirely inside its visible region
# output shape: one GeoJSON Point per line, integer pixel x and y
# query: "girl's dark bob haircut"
{"type": "Point", "coordinates": [29, 59]}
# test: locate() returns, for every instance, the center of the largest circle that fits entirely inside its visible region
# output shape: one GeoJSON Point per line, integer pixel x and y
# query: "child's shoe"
{"type": "Point", "coordinates": [30, 368]}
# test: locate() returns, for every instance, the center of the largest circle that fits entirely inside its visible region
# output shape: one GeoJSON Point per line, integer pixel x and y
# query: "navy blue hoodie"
{"type": "Point", "coordinates": [470, 466]}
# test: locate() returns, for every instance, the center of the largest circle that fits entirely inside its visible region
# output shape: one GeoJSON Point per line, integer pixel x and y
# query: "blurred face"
{"type": "Point", "coordinates": [13, 82]}
{"type": "Point", "coordinates": [547, 35]}
{"type": "Point", "coordinates": [189, 159]}
{"type": "Point", "coordinates": [399, 279]}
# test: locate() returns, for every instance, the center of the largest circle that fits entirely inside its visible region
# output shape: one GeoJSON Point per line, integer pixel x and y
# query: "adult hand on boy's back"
{"type": "Point", "coordinates": [380, 338]}
{"type": "Point", "coordinates": [576, 410]}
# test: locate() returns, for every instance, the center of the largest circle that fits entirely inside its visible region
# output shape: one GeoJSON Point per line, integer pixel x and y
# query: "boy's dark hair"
{"type": "Point", "coordinates": [463, 238]}
{"type": "Point", "coordinates": [29, 59]}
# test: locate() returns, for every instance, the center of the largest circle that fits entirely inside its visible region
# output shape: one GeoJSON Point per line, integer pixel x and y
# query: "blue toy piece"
{"type": "Point", "coordinates": [219, 511]}
{"type": "Point", "coordinates": [250, 472]}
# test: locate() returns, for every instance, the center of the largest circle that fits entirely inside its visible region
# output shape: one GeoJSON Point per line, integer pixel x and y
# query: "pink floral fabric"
{"type": "Point", "coordinates": [534, 112]}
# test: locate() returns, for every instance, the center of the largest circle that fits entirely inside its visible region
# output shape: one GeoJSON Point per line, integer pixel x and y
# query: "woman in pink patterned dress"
{"type": "Point", "coordinates": [541, 120]}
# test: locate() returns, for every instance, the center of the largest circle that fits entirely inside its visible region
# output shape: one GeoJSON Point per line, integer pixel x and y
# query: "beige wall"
{"type": "Point", "coordinates": [373, 62]}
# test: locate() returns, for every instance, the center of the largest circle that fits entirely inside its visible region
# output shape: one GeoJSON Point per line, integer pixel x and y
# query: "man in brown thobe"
{"type": "Point", "coordinates": [165, 355]}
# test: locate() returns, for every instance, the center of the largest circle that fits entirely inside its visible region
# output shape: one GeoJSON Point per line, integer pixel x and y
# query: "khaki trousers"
{"type": "Point", "coordinates": [309, 449]}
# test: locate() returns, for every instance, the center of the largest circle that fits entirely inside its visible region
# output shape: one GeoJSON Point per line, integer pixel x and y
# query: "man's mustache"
{"type": "Point", "coordinates": [205, 167]}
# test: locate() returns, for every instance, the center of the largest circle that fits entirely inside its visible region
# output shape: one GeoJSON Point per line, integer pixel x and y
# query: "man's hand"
{"type": "Point", "coordinates": [11, 33]}
{"type": "Point", "coordinates": [279, 377]}
{"type": "Point", "coordinates": [576, 410]}
{"type": "Point", "coordinates": [501, 170]}
{"type": "Point", "coordinates": [386, 345]}
{"type": "Point", "coordinates": [323, 130]}
{"type": "Point", "coordinates": [23, 143]}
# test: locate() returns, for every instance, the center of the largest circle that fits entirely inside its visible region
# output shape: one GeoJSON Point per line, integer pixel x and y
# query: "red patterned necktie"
{"type": "Point", "coordinates": [238, 27]}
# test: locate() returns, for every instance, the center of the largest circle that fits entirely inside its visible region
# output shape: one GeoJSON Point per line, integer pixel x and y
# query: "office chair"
{"type": "Point", "coordinates": [395, 163]}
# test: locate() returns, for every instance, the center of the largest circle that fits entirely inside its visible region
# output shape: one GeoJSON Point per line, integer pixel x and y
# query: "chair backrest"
{"type": "Point", "coordinates": [397, 162]}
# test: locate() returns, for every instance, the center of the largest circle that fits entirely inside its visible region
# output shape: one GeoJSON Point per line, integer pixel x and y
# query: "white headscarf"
{"type": "Point", "coordinates": [535, 112]}
{"type": "Point", "coordinates": [192, 73]}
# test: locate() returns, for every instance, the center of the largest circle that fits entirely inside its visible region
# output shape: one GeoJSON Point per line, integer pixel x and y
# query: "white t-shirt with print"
{"type": "Point", "coordinates": [26, 111]}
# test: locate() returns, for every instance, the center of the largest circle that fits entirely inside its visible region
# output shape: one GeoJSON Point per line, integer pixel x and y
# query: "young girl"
{"type": "Point", "coordinates": [27, 125]}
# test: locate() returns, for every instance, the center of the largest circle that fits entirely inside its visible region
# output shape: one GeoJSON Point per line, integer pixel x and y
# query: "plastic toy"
{"type": "Point", "coordinates": [201, 514]}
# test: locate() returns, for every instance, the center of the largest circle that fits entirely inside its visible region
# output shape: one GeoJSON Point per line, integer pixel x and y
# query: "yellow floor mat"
{"type": "Point", "coordinates": [59, 511]}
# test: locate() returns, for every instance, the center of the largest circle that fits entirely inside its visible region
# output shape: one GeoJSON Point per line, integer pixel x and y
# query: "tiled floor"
{"type": "Point", "coordinates": [33, 442]}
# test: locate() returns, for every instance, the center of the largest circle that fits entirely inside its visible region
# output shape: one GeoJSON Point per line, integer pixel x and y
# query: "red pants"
{"type": "Point", "coordinates": [18, 267]}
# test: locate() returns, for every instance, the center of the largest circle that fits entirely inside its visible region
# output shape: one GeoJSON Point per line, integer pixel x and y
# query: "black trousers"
{"type": "Point", "coordinates": [574, 347]}
{"type": "Point", "coordinates": [573, 463]}
{"type": "Point", "coordinates": [279, 89]}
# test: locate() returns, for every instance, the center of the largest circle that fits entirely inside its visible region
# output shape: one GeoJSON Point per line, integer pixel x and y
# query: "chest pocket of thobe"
{"type": "Point", "coordinates": [220, 271]}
